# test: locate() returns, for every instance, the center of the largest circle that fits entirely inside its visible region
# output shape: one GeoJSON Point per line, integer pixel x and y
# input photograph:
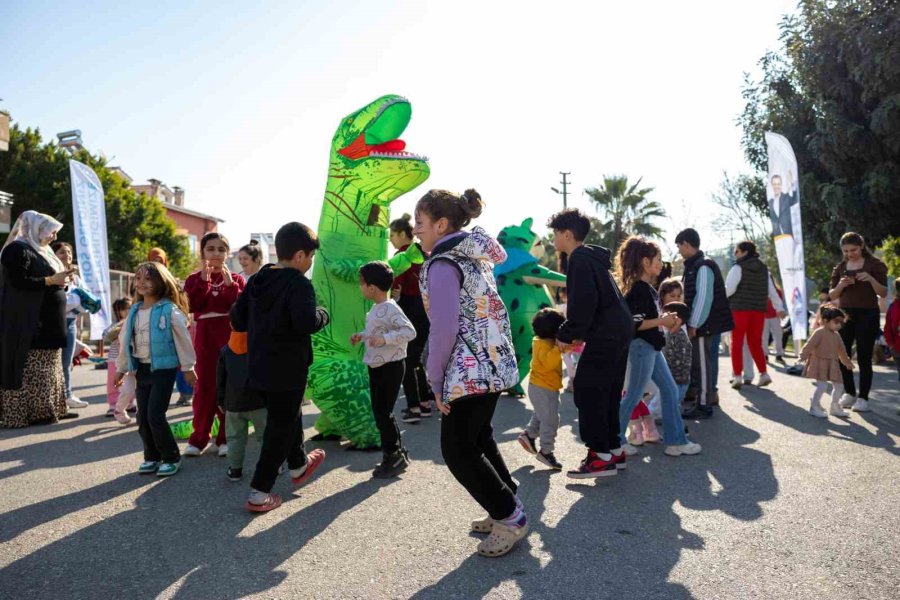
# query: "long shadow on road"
{"type": "Point", "coordinates": [622, 536]}
{"type": "Point", "coordinates": [170, 537]}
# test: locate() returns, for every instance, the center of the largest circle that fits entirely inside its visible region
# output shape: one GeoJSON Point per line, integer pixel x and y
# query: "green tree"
{"type": "Point", "coordinates": [834, 91]}
{"type": "Point", "coordinates": [891, 249]}
{"type": "Point", "coordinates": [625, 210]}
{"type": "Point", "coordinates": [37, 174]}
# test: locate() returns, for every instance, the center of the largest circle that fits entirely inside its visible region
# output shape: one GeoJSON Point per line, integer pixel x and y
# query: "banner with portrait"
{"type": "Point", "coordinates": [783, 194]}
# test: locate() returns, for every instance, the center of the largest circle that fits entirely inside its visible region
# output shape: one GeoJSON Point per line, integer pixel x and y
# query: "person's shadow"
{"type": "Point", "coordinates": [166, 539]}
{"type": "Point", "coordinates": [622, 536]}
{"type": "Point", "coordinates": [768, 404]}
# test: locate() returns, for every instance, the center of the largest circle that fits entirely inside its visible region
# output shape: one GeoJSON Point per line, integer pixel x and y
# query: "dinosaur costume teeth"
{"type": "Point", "coordinates": [368, 169]}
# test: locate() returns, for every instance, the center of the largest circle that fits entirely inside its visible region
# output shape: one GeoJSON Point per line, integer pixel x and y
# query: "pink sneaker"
{"type": "Point", "coordinates": [635, 433]}
{"type": "Point", "coordinates": [123, 418]}
{"type": "Point", "coordinates": [651, 433]}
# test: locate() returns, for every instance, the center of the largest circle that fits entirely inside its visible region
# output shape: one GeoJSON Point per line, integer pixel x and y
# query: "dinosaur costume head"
{"type": "Point", "coordinates": [521, 237]}
{"type": "Point", "coordinates": [370, 168]}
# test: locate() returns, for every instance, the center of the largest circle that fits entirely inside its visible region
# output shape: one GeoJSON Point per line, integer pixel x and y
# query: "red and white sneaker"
{"type": "Point", "coordinates": [619, 461]}
{"type": "Point", "coordinates": [313, 460]}
{"type": "Point", "coordinates": [594, 466]}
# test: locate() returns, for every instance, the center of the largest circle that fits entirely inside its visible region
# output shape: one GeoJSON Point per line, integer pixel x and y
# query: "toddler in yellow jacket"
{"type": "Point", "coordinates": [544, 383]}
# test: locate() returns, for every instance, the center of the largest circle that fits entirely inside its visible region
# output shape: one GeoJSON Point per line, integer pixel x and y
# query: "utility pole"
{"type": "Point", "coordinates": [564, 192]}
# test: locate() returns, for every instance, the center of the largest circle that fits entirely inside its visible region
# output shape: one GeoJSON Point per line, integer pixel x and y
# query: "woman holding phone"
{"type": "Point", "coordinates": [857, 282]}
{"type": "Point", "coordinates": [32, 324]}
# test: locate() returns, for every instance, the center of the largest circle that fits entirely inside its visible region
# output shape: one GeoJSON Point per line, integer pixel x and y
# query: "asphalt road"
{"type": "Point", "coordinates": [779, 505]}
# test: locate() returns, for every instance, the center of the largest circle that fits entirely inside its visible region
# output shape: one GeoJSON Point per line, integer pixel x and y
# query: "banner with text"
{"type": "Point", "coordinates": [91, 249]}
{"type": "Point", "coordinates": [783, 190]}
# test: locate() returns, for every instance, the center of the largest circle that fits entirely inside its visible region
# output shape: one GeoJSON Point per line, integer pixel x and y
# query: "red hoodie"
{"type": "Point", "coordinates": [892, 326]}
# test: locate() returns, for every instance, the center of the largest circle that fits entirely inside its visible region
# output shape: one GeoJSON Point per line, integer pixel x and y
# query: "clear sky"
{"type": "Point", "coordinates": [237, 102]}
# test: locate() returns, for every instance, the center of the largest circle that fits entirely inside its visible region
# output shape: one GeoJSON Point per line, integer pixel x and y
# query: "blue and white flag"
{"type": "Point", "coordinates": [91, 249]}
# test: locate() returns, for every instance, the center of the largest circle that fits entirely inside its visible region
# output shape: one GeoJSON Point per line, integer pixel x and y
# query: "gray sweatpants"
{"type": "Point", "coordinates": [236, 426]}
{"type": "Point", "coordinates": [545, 419]}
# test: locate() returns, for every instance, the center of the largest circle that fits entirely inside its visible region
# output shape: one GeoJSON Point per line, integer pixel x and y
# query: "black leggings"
{"type": "Point", "coordinates": [415, 383]}
{"type": "Point", "coordinates": [283, 438]}
{"type": "Point", "coordinates": [384, 386]}
{"type": "Point", "coordinates": [471, 454]}
{"type": "Point", "coordinates": [861, 326]}
{"type": "Point", "coordinates": [153, 393]}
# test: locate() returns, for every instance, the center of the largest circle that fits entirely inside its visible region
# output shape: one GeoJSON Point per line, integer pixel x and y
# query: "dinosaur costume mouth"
{"type": "Point", "coordinates": [381, 137]}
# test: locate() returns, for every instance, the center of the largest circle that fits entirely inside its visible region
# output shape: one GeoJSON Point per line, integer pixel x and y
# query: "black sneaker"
{"type": "Point", "coordinates": [131, 410]}
{"type": "Point", "coordinates": [698, 412]}
{"type": "Point", "coordinates": [184, 400]}
{"type": "Point", "coordinates": [527, 442]}
{"type": "Point", "coordinates": [235, 474]}
{"type": "Point", "coordinates": [425, 411]}
{"type": "Point", "coordinates": [392, 465]}
{"type": "Point", "coordinates": [780, 360]}
{"type": "Point", "coordinates": [409, 416]}
{"type": "Point", "coordinates": [548, 459]}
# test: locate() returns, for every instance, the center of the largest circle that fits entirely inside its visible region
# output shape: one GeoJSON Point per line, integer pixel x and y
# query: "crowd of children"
{"type": "Point", "coordinates": [628, 334]}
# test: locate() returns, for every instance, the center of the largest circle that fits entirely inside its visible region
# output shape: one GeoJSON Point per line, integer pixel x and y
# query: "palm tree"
{"type": "Point", "coordinates": [627, 210]}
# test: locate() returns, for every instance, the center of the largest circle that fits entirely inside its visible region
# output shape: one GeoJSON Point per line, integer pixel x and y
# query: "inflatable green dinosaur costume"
{"type": "Point", "coordinates": [368, 170]}
{"type": "Point", "coordinates": [521, 281]}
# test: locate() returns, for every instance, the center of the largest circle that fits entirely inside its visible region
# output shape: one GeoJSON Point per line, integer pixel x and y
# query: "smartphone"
{"type": "Point", "coordinates": [852, 272]}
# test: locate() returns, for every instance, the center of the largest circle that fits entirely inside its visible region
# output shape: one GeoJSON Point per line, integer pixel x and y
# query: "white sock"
{"type": "Point", "coordinates": [295, 473]}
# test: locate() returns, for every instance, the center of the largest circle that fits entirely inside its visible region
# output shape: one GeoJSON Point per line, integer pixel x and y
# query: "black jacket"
{"type": "Point", "coordinates": [753, 291]}
{"type": "Point", "coordinates": [596, 311]}
{"type": "Point", "coordinates": [643, 301]}
{"type": "Point", "coordinates": [32, 315]}
{"type": "Point", "coordinates": [720, 319]}
{"type": "Point", "coordinates": [278, 311]}
{"type": "Point", "coordinates": [233, 391]}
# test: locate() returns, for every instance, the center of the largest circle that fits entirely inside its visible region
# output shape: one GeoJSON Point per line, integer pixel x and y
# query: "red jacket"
{"type": "Point", "coordinates": [408, 282]}
{"type": "Point", "coordinates": [892, 326]}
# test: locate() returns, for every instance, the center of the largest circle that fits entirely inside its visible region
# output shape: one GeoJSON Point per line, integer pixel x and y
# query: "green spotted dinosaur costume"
{"type": "Point", "coordinates": [521, 281]}
{"type": "Point", "coordinates": [368, 170]}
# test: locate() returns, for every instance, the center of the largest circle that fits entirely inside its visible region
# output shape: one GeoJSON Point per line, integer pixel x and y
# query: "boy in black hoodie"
{"type": "Point", "coordinates": [596, 314]}
{"type": "Point", "coordinates": [278, 311]}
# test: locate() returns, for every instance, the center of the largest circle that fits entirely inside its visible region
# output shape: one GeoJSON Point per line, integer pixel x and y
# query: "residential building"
{"type": "Point", "coordinates": [189, 223]}
{"type": "Point", "coordinates": [6, 201]}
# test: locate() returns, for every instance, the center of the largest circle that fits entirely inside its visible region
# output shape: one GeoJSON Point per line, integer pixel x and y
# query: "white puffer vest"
{"type": "Point", "coordinates": [483, 358]}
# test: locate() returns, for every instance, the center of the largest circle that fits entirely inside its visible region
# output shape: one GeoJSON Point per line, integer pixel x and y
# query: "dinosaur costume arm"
{"type": "Point", "coordinates": [541, 275]}
{"type": "Point", "coordinates": [348, 269]}
{"type": "Point", "coordinates": [402, 261]}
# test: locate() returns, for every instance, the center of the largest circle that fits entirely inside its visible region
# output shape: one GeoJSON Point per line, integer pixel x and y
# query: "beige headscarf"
{"type": "Point", "coordinates": [31, 228]}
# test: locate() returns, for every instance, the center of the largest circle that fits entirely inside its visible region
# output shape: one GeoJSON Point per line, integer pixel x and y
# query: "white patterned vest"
{"type": "Point", "coordinates": [483, 358]}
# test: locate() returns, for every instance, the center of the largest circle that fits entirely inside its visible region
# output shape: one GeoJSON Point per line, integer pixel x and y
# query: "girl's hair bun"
{"type": "Point", "coordinates": [471, 203]}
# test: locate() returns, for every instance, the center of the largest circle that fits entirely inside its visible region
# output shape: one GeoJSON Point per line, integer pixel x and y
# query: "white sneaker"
{"type": "Point", "coordinates": [223, 450]}
{"type": "Point", "coordinates": [861, 405]}
{"type": "Point", "coordinates": [689, 448]}
{"type": "Point", "coordinates": [748, 381]}
{"type": "Point", "coordinates": [736, 382]}
{"type": "Point", "coordinates": [816, 410]}
{"type": "Point", "coordinates": [74, 402]}
{"type": "Point", "coordinates": [764, 380]}
{"type": "Point", "coordinates": [847, 401]}
{"type": "Point", "coordinates": [629, 450]}
{"type": "Point", "coordinates": [192, 451]}
{"type": "Point", "coordinates": [836, 411]}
